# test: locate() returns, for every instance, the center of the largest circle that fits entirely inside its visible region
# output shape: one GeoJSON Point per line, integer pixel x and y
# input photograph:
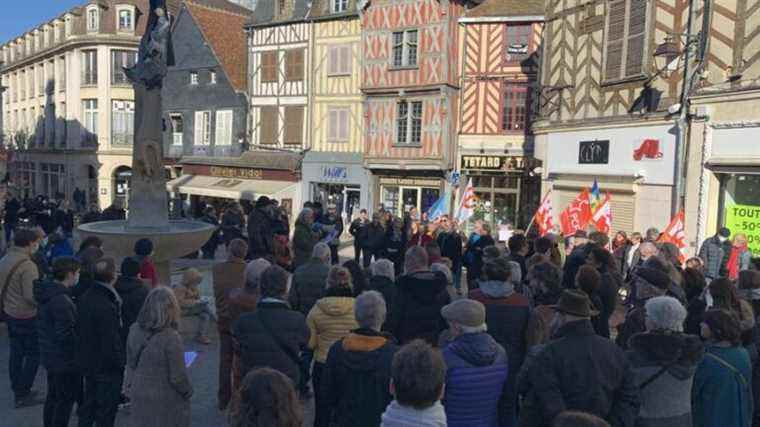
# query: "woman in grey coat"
{"type": "Point", "coordinates": [158, 384]}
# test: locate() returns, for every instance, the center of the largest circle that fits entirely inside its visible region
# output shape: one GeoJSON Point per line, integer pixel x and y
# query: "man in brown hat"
{"type": "Point", "coordinates": [581, 371]}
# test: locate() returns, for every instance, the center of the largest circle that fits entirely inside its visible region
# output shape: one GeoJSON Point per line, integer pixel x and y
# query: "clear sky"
{"type": "Point", "coordinates": [19, 16]}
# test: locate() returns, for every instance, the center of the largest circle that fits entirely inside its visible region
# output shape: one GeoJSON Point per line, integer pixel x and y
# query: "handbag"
{"type": "Point", "coordinates": [4, 317]}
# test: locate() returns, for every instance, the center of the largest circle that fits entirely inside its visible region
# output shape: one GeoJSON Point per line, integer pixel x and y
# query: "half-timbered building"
{"type": "Point", "coordinates": [410, 77]}
{"type": "Point", "coordinates": [333, 173]}
{"type": "Point", "coordinates": [500, 58]}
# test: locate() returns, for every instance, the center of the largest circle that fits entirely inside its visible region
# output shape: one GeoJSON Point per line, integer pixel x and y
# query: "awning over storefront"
{"type": "Point", "coordinates": [747, 165]}
{"type": "Point", "coordinates": [228, 188]}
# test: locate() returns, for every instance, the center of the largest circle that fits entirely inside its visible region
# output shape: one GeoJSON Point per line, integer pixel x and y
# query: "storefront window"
{"type": "Point", "coordinates": [346, 198]}
{"type": "Point", "coordinates": [400, 199]}
{"type": "Point", "coordinates": [429, 197]}
{"type": "Point", "coordinates": [497, 200]}
{"type": "Point", "coordinates": [741, 200]}
{"type": "Point", "coordinates": [390, 198]}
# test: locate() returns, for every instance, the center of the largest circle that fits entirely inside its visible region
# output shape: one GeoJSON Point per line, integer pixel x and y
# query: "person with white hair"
{"type": "Point", "coordinates": [356, 377]}
{"type": "Point", "coordinates": [309, 280]}
{"type": "Point", "coordinates": [383, 280]}
{"type": "Point", "coordinates": [664, 361]}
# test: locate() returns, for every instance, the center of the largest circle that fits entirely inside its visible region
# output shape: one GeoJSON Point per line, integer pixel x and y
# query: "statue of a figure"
{"type": "Point", "coordinates": [155, 54]}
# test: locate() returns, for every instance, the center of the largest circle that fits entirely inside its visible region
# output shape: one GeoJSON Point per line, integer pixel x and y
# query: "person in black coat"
{"type": "Point", "coordinates": [92, 215]}
{"type": "Point", "coordinates": [518, 250]}
{"type": "Point", "coordinates": [273, 335]}
{"type": "Point", "coordinates": [577, 257]}
{"type": "Point", "coordinates": [11, 216]}
{"type": "Point", "coordinates": [356, 378]}
{"type": "Point", "coordinates": [101, 356]}
{"type": "Point", "coordinates": [473, 255]}
{"type": "Point", "coordinates": [209, 248]}
{"type": "Point", "coordinates": [331, 228]}
{"type": "Point", "coordinates": [450, 242]}
{"type": "Point", "coordinates": [358, 231]}
{"type": "Point", "coordinates": [260, 230]}
{"type": "Point", "coordinates": [374, 245]}
{"type": "Point", "coordinates": [383, 280]}
{"type": "Point", "coordinates": [132, 291]}
{"type": "Point", "coordinates": [232, 224]}
{"type": "Point", "coordinates": [58, 340]}
{"type": "Point", "coordinates": [64, 218]}
{"type": "Point", "coordinates": [395, 245]}
{"type": "Point", "coordinates": [420, 295]}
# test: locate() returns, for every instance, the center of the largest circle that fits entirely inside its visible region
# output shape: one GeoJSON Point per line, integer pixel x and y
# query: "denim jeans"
{"type": "Point", "coordinates": [102, 393]}
{"type": "Point", "coordinates": [64, 389]}
{"type": "Point", "coordinates": [24, 355]}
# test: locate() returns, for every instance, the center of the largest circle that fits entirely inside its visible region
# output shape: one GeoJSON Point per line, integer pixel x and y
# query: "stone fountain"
{"type": "Point", "coordinates": [148, 205]}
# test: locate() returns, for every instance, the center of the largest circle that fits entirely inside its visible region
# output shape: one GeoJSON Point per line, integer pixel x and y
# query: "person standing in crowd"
{"type": "Point", "coordinates": [358, 231]}
{"type": "Point", "coordinates": [114, 212]}
{"type": "Point", "coordinates": [159, 388]}
{"type": "Point", "coordinates": [450, 242]}
{"type": "Point", "coordinates": [11, 216]}
{"type": "Point", "coordinates": [418, 374]}
{"type": "Point", "coordinates": [260, 230]}
{"type": "Point", "coordinates": [64, 218]}
{"type": "Point", "coordinates": [694, 285]}
{"type": "Point", "coordinates": [356, 376]}
{"type": "Point", "coordinates": [395, 244]}
{"type": "Point", "coordinates": [80, 199]}
{"type": "Point", "coordinates": [518, 250]}
{"type": "Point", "coordinates": [630, 255]}
{"type": "Point", "coordinates": [652, 234]}
{"type": "Point", "coordinates": [359, 281]}
{"type": "Point", "coordinates": [132, 291]}
{"type": "Point", "coordinates": [18, 273]}
{"type": "Point", "coordinates": [725, 296]}
{"type": "Point", "coordinates": [188, 295]}
{"type": "Point", "coordinates": [545, 283]}
{"type": "Point", "coordinates": [713, 252]}
{"type": "Point", "coordinates": [739, 257]}
{"type": "Point", "coordinates": [420, 296]}
{"type": "Point", "coordinates": [268, 399]}
{"type": "Point", "coordinates": [476, 369]}
{"type": "Point", "coordinates": [619, 243]}
{"type": "Point", "coordinates": [582, 371]}
{"type": "Point", "coordinates": [226, 276]}
{"type": "Point", "coordinates": [664, 361]}
{"type": "Point", "coordinates": [58, 341]}
{"type": "Point", "coordinates": [722, 391]}
{"type": "Point", "coordinates": [383, 280]}
{"type": "Point", "coordinates": [375, 242]}
{"type": "Point", "coordinates": [610, 282]}
{"type": "Point", "coordinates": [331, 319]}
{"type": "Point", "coordinates": [88, 257]}
{"type": "Point", "coordinates": [232, 224]}
{"type": "Point", "coordinates": [473, 255]}
{"type": "Point", "coordinates": [143, 253]}
{"type": "Point", "coordinates": [331, 225]}
{"type": "Point", "coordinates": [304, 238]}
{"type": "Point", "coordinates": [649, 283]}
{"type": "Point", "coordinates": [273, 335]}
{"type": "Point", "coordinates": [588, 280]}
{"type": "Point", "coordinates": [101, 356]}
{"type": "Point", "coordinates": [209, 248]}
{"type": "Point", "coordinates": [418, 235]}
{"type": "Point", "coordinates": [92, 215]}
{"type": "Point", "coordinates": [58, 246]}
{"type": "Point", "coordinates": [308, 282]}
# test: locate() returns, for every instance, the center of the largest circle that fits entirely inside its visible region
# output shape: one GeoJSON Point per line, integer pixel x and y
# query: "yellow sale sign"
{"type": "Point", "coordinates": [745, 219]}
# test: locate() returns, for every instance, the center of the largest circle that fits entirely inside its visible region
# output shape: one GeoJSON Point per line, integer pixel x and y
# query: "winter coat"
{"type": "Point", "coordinates": [101, 349]}
{"type": "Point", "coordinates": [722, 396]}
{"type": "Point", "coordinates": [397, 415]}
{"type": "Point", "coordinates": [608, 297]}
{"type": "Point", "coordinates": [356, 378]}
{"type": "Point", "coordinates": [712, 254]}
{"type": "Point", "coordinates": [160, 386]}
{"type": "Point", "coordinates": [255, 345]}
{"type": "Point", "coordinates": [581, 371]}
{"type": "Point", "coordinates": [308, 285]}
{"type": "Point", "coordinates": [226, 276]}
{"type": "Point", "coordinates": [473, 256]}
{"type": "Point", "coordinates": [19, 300]}
{"type": "Point", "coordinates": [148, 270]}
{"type": "Point", "coordinates": [573, 262]}
{"type": "Point", "coordinates": [56, 326]}
{"type": "Point", "coordinates": [451, 247]}
{"type": "Point", "coordinates": [358, 229]}
{"type": "Point", "coordinates": [133, 292]}
{"type": "Point", "coordinates": [64, 219]}
{"type": "Point", "coordinates": [303, 244]}
{"type": "Point", "coordinates": [329, 224]}
{"type": "Point", "coordinates": [375, 237]}
{"type": "Point", "coordinates": [634, 323]}
{"type": "Point", "coordinates": [387, 288]}
{"type": "Point", "coordinates": [666, 400]}
{"type": "Point", "coordinates": [61, 248]}
{"type": "Point", "coordinates": [417, 307]}
{"type": "Point", "coordinates": [241, 301]}
{"type": "Point", "coordinates": [476, 374]}
{"type": "Point", "coordinates": [331, 319]}
{"type": "Point", "coordinates": [507, 317]}
{"type": "Point", "coordinates": [260, 234]}
{"type": "Point", "coordinates": [187, 297]}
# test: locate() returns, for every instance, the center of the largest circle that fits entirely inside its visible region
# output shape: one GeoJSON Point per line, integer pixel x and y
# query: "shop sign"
{"type": "Point", "coordinates": [335, 173]}
{"type": "Point", "coordinates": [594, 152]}
{"type": "Point", "coordinates": [227, 172]}
{"type": "Point", "coordinates": [649, 149]}
{"type": "Point", "coordinates": [410, 182]}
{"type": "Point", "coordinates": [495, 163]}
{"type": "Point", "coordinates": [745, 219]}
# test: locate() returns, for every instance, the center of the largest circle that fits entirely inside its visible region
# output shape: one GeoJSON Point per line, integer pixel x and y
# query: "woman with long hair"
{"type": "Point", "coordinates": [268, 399]}
{"type": "Point", "coordinates": [158, 384]}
{"type": "Point", "coordinates": [358, 278]}
{"type": "Point", "coordinates": [740, 257]}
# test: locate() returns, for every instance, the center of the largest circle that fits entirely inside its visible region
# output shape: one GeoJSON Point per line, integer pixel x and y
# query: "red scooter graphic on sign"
{"type": "Point", "coordinates": [649, 149]}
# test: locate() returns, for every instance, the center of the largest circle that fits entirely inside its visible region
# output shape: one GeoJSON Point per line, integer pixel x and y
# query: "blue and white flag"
{"type": "Point", "coordinates": [439, 208]}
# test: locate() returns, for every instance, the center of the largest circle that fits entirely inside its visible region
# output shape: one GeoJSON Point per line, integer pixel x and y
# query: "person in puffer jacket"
{"type": "Point", "coordinates": [476, 368]}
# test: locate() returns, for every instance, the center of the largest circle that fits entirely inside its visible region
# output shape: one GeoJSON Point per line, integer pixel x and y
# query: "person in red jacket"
{"type": "Point", "coordinates": [143, 251]}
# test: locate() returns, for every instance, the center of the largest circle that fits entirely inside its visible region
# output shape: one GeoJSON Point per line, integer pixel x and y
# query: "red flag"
{"type": "Point", "coordinates": [544, 218]}
{"type": "Point", "coordinates": [576, 216]}
{"type": "Point", "coordinates": [675, 234]}
{"type": "Point", "coordinates": [603, 216]}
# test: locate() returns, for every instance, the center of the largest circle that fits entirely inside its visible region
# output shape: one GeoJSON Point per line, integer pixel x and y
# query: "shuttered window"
{"type": "Point", "coordinates": [337, 124]}
{"type": "Point", "coordinates": [223, 135]}
{"type": "Point", "coordinates": [269, 67]}
{"type": "Point", "coordinates": [626, 39]}
{"type": "Point", "coordinates": [268, 125]}
{"type": "Point", "coordinates": [294, 65]}
{"type": "Point", "coordinates": [622, 206]}
{"type": "Point", "coordinates": [294, 125]}
{"type": "Point", "coordinates": [202, 128]}
{"type": "Point", "coordinates": [339, 60]}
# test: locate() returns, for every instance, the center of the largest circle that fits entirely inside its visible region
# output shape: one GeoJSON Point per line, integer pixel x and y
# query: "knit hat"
{"type": "Point", "coordinates": [654, 277]}
{"type": "Point", "coordinates": [466, 312]}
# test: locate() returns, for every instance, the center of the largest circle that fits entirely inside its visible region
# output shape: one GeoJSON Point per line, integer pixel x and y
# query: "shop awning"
{"type": "Point", "coordinates": [746, 165]}
{"type": "Point", "coordinates": [227, 188]}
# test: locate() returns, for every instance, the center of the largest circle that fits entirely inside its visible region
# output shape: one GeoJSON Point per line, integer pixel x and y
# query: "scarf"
{"type": "Point", "coordinates": [396, 415]}
{"type": "Point", "coordinates": [733, 261]}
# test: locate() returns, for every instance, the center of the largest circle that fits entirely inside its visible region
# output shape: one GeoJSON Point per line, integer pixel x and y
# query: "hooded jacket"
{"type": "Point", "coordinates": [665, 401]}
{"type": "Point", "coordinates": [356, 379]}
{"type": "Point", "coordinates": [56, 326]}
{"type": "Point", "coordinates": [329, 320]}
{"type": "Point", "coordinates": [476, 374]}
{"type": "Point", "coordinates": [417, 307]}
{"type": "Point", "coordinates": [101, 350]}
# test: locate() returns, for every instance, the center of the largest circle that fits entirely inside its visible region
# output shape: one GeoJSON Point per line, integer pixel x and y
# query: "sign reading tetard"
{"type": "Point", "coordinates": [494, 163]}
{"type": "Point", "coordinates": [745, 219]}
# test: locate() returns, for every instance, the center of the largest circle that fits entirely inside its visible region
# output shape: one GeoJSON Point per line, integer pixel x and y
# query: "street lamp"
{"type": "Point", "coordinates": [667, 56]}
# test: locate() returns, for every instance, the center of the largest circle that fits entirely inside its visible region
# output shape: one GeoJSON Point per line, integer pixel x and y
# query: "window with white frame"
{"type": "Point", "coordinates": [212, 77]}
{"type": "Point", "coordinates": [121, 59]}
{"type": "Point", "coordinates": [178, 128]}
{"type": "Point", "coordinates": [338, 119]}
{"type": "Point", "coordinates": [339, 6]}
{"type": "Point", "coordinates": [405, 48]}
{"type": "Point", "coordinates": [409, 122]}
{"type": "Point", "coordinates": [223, 134]}
{"type": "Point", "coordinates": [89, 67]}
{"type": "Point", "coordinates": [339, 60]}
{"type": "Point", "coordinates": [193, 77]}
{"type": "Point", "coordinates": [67, 26]}
{"type": "Point", "coordinates": [122, 122]}
{"type": "Point", "coordinates": [125, 18]}
{"type": "Point", "coordinates": [93, 18]}
{"type": "Point", "coordinates": [202, 128]}
{"type": "Point", "coordinates": [90, 120]}
{"type": "Point", "coordinates": [61, 73]}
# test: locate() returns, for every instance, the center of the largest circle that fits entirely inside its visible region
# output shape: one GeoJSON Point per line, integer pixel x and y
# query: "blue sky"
{"type": "Point", "coordinates": [19, 16]}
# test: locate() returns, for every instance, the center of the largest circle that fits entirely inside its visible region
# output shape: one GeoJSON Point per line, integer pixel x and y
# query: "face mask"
{"type": "Point", "coordinates": [722, 239]}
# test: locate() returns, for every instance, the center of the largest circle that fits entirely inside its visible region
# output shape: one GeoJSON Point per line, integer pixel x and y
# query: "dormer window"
{"type": "Point", "coordinates": [126, 18]}
{"type": "Point", "coordinates": [339, 6]}
{"type": "Point", "coordinates": [67, 27]}
{"type": "Point", "coordinates": [93, 18]}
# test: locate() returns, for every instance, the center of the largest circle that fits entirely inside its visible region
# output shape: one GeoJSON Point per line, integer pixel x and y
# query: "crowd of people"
{"type": "Point", "coordinates": [425, 326]}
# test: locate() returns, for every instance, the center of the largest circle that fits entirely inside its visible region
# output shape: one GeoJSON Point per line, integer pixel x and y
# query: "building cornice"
{"type": "Point", "coordinates": [496, 19]}
{"type": "Point", "coordinates": [90, 40]}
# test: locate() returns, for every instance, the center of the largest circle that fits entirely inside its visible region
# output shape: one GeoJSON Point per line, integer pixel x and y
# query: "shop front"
{"type": "Point", "coordinates": [400, 193]}
{"type": "Point", "coordinates": [337, 179]}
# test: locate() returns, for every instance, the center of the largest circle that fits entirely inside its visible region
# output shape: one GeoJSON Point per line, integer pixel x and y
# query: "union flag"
{"type": "Point", "coordinates": [576, 216]}
{"type": "Point", "coordinates": [676, 234]}
{"type": "Point", "coordinates": [544, 218]}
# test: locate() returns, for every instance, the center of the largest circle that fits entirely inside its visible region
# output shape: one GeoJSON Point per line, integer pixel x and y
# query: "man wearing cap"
{"type": "Point", "coordinates": [581, 371]}
{"type": "Point", "coordinates": [476, 367]}
{"type": "Point", "coordinates": [647, 283]}
{"type": "Point", "coordinates": [714, 253]}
